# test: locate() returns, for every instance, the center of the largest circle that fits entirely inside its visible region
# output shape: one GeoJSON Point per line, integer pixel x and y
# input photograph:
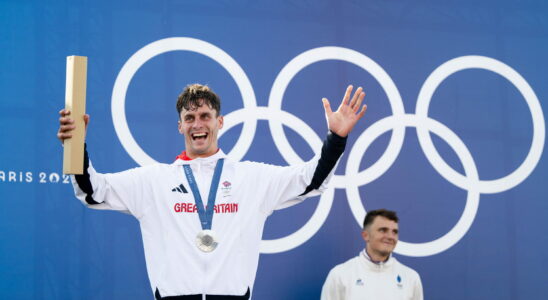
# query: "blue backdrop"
{"type": "Point", "coordinates": [472, 73]}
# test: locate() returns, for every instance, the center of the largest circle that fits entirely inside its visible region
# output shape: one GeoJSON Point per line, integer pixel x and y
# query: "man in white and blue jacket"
{"type": "Point", "coordinates": [374, 273]}
{"type": "Point", "coordinates": [202, 217]}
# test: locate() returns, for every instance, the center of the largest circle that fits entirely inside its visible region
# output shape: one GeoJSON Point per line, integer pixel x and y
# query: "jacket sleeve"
{"type": "Point", "coordinates": [417, 290]}
{"type": "Point", "coordinates": [333, 289]}
{"type": "Point", "coordinates": [292, 184]}
{"type": "Point", "coordinates": [123, 191]}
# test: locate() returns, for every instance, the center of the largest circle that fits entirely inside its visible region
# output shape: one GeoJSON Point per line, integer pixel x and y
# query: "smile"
{"type": "Point", "coordinates": [197, 136]}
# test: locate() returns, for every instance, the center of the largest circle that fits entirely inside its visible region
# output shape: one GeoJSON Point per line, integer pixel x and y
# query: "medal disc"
{"type": "Point", "coordinates": [206, 240]}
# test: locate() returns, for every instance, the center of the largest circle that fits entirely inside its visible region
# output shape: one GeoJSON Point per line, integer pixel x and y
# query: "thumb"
{"type": "Point", "coordinates": [326, 106]}
{"type": "Point", "coordinates": [86, 120]}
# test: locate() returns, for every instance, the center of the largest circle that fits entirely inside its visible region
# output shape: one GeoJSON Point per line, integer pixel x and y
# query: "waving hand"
{"type": "Point", "coordinates": [347, 115]}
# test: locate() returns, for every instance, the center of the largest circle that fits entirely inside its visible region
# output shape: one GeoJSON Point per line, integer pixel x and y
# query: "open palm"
{"type": "Point", "coordinates": [347, 115]}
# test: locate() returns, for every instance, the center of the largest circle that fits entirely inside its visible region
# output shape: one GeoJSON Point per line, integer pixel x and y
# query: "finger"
{"type": "Point", "coordinates": [65, 120]}
{"type": "Point", "coordinates": [327, 106]}
{"type": "Point", "coordinates": [63, 136]}
{"type": "Point", "coordinates": [86, 119]}
{"type": "Point", "coordinates": [347, 95]}
{"type": "Point", "coordinates": [64, 112]}
{"type": "Point", "coordinates": [362, 112]}
{"type": "Point", "coordinates": [65, 128]}
{"type": "Point", "coordinates": [355, 97]}
{"type": "Point", "coordinates": [359, 102]}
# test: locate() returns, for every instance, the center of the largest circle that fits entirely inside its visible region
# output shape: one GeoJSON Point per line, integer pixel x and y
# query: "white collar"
{"type": "Point", "coordinates": [373, 264]}
{"type": "Point", "coordinates": [201, 160]}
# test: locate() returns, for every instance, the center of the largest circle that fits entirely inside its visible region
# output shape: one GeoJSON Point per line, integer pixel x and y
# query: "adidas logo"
{"type": "Point", "coordinates": [180, 189]}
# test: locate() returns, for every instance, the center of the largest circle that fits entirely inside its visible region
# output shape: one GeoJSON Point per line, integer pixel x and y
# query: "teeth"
{"type": "Point", "coordinates": [197, 135]}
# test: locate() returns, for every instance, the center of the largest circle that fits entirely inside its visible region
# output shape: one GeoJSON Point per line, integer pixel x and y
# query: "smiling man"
{"type": "Point", "coordinates": [374, 273]}
{"type": "Point", "coordinates": [199, 123]}
{"type": "Point", "coordinates": [202, 216]}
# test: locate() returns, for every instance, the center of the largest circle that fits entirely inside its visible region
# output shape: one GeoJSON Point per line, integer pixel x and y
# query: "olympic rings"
{"type": "Point", "coordinates": [352, 178]}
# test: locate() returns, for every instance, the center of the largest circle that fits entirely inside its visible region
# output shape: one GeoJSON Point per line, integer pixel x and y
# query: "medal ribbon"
{"type": "Point", "coordinates": [205, 213]}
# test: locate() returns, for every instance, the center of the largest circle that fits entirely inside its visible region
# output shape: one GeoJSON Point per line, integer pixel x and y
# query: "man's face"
{"type": "Point", "coordinates": [381, 236]}
{"type": "Point", "coordinates": [200, 128]}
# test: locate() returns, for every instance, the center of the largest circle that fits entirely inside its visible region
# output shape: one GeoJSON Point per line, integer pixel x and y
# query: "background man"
{"type": "Point", "coordinates": [374, 273]}
{"type": "Point", "coordinates": [188, 255]}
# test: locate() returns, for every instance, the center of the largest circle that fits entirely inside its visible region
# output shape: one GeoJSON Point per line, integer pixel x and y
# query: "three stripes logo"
{"type": "Point", "coordinates": [180, 189]}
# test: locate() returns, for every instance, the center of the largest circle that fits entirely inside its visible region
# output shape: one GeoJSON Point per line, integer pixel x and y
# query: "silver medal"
{"type": "Point", "coordinates": [206, 240]}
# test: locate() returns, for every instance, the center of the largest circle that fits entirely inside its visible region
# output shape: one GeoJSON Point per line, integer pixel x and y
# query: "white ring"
{"type": "Point", "coordinates": [153, 49]}
{"type": "Point", "coordinates": [312, 226]}
{"type": "Point", "coordinates": [537, 145]}
{"type": "Point", "coordinates": [337, 53]}
{"type": "Point", "coordinates": [378, 128]}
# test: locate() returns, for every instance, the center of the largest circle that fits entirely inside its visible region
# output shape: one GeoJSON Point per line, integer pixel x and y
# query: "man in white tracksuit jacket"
{"type": "Point", "coordinates": [374, 273]}
{"type": "Point", "coordinates": [171, 200]}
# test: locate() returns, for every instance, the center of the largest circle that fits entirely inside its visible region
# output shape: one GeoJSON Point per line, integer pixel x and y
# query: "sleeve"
{"type": "Point", "coordinates": [124, 191]}
{"type": "Point", "coordinates": [333, 288]}
{"type": "Point", "coordinates": [290, 185]}
{"type": "Point", "coordinates": [417, 291]}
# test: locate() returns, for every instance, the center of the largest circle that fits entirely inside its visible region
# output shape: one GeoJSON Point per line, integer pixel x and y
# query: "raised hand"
{"type": "Point", "coordinates": [66, 125]}
{"type": "Point", "coordinates": [347, 115]}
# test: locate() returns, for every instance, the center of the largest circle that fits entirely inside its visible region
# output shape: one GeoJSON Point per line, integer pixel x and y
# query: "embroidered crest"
{"type": "Point", "coordinates": [226, 187]}
{"type": "Point", "coordinates": [398, 280]}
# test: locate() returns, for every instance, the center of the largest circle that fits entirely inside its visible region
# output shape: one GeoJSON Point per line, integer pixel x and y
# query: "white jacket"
{"type": "Point", "coordinates": [248, 193]}
{"type": "Point", "coordinates": [360, 278]}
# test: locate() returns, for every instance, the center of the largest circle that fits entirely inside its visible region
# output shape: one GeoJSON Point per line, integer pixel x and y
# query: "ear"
{"type": "Point", "coordinates": [180, 127]}
{"type": "Point", "coordinates": [365, 235]}
{"type": "Point", "coordinates": [221, 121]}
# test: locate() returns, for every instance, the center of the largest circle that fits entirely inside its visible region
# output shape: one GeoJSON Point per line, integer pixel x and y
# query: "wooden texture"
{"type": "Point", "coordinates": [75, 101]}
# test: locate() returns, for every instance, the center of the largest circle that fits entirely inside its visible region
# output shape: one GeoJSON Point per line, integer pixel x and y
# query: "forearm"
{"type": "Point", "coordinates": [83, 181]}
{"type": "Point", "coordinates": [332, 149]}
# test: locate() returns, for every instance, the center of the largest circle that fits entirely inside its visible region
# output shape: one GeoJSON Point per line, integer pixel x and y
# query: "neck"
{"type": "Point", "coordinates": [376, 257]}
{"type": "Point", "coordinates": [192, 155]}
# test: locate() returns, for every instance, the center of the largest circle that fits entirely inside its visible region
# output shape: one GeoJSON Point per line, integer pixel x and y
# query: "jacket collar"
{"type": "Point", "coordinates": [181, 159]}
{"type": "Point", "coordinates": [376, 265]}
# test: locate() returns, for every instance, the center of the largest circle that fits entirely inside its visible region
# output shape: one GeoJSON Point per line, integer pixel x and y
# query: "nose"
{"type": "Point", "coordinates": [197, 124]}
{"type": "Point", "coordinates": [392, 235]}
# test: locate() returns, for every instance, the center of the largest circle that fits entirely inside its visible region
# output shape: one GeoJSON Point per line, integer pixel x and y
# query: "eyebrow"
{"type": "Point", "coordinates": [192, 114]}
{"type": "Point", "coordinates": [386, 228]}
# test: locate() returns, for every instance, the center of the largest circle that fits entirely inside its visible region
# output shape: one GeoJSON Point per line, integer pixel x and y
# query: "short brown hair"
{"type": "Point", "coordinates": [370, 217]}
{"type": "Point", "coordinates": [196, 95]}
